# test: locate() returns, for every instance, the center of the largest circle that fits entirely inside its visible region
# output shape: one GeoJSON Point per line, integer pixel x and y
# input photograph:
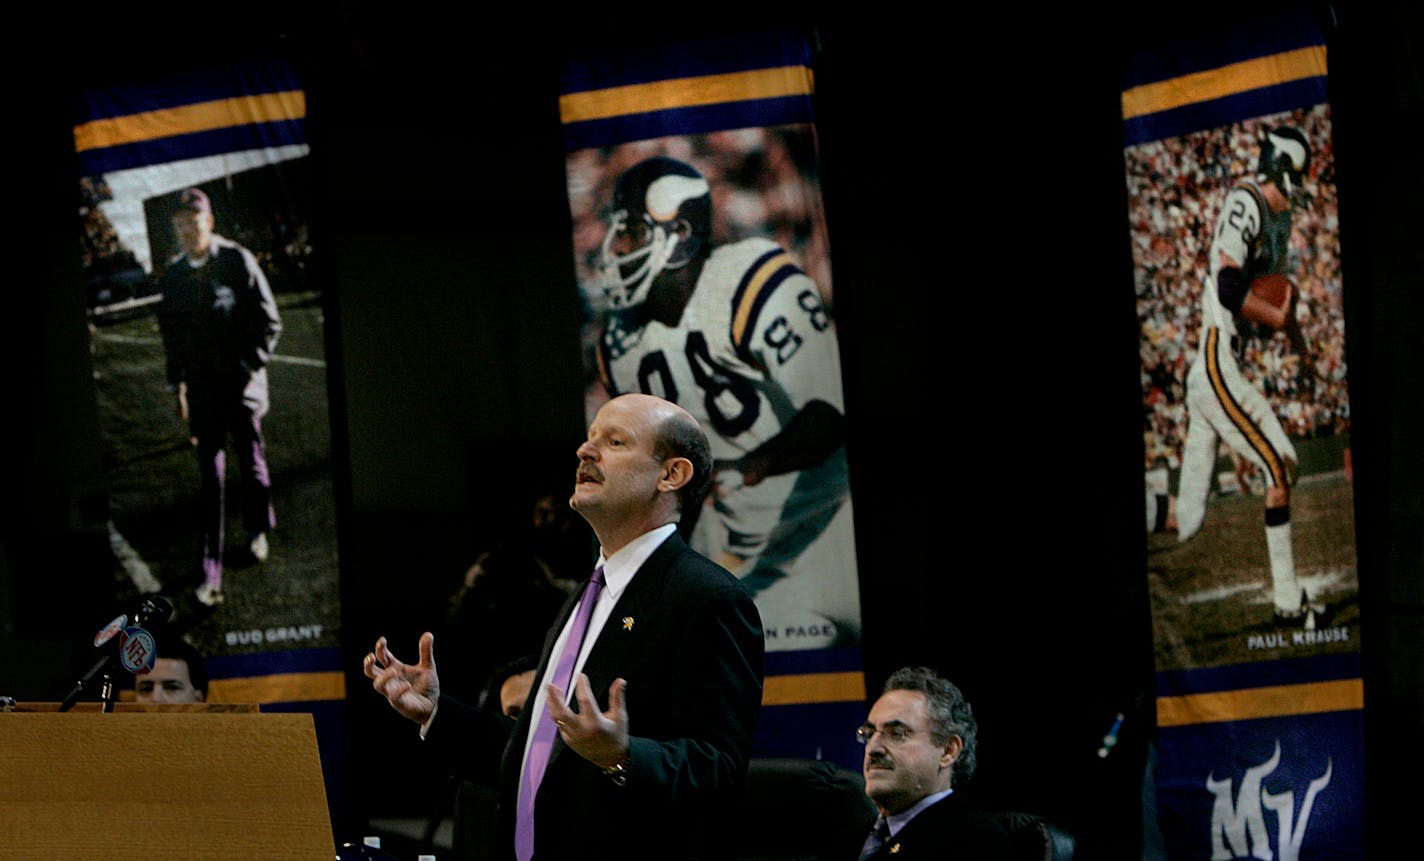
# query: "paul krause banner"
{"type": "Point", "coordinates": [1234, 224]}
{"type": "Point", "coordinates": [704, 272]}
{"type": "Point", "coordinates": [210, 374]}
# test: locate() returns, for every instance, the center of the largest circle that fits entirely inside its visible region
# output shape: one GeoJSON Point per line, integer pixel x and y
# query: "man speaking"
{"type": "Point", "coordinates": [635, 740]}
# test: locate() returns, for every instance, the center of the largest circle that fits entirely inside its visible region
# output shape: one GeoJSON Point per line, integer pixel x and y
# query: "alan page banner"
{"type": "Point", "coordinates": [210, 374]}
{"type": "Point", "coordinates": [704, 274]}
{"type": "Point", "coordinates": [1235, 232]}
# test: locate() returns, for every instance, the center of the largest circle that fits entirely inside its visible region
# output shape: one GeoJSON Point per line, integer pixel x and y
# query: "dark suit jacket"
{"type": "Point", "coordinates": [951, 829]}
{"type": "Point", "coordinates": [687, 637]}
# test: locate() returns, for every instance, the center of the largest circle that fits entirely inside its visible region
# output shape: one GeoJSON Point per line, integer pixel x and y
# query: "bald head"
{"type": "Point", "coordinates": [645, 461]}
{"type": "Point", "coordinates": [679, 435]}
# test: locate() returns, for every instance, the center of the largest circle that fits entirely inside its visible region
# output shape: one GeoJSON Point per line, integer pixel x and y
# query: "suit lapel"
{"type": "Point", "coordinates": [636, 606]}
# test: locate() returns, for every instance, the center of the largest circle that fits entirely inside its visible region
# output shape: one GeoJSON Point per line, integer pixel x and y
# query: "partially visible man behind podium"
{"type": "Point", "coordinates": [650, 756]}
{"type": "Point", "coordinates": [179, 675]}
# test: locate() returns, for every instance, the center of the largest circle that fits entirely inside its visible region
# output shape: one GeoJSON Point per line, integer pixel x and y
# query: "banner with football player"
{"type": "Point", "coordinates": [1235, 232]}
{"type": "Point", "coordinates": [206, 331]}
{"type": "Point", "coordinates": [704, 277]}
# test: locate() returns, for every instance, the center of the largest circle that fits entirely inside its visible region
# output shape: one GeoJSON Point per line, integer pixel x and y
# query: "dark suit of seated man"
{"type": "Point", "coordinates": [654, 767]}
{"type": "Point", "coordinates": [920, 742]}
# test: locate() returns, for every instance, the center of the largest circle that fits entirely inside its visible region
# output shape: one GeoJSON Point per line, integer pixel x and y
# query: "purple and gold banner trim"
{"type": "Point", "coordinates": [247, 106]}
{"type": "Point", "coordinates": [1208, 85]}
{"type": "Point", "coordinates": [705, 86]}
{"type": "Point", "coordinates": [304, 675]}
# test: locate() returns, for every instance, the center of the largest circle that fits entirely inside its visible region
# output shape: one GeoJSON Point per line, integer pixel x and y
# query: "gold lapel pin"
{"type": "Point", "coordinates": [895, 850]}
{"type": "Point", "coordinates": [627, 623]}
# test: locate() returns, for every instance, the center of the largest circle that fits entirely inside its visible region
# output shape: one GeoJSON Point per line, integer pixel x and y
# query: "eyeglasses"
{"type": "Point", "coordinates": [893, 732]}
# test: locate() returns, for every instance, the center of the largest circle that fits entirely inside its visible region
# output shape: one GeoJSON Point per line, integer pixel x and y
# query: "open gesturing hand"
{"type": "Point", "coordinates": [599, 737]}
{"type": "Point", "coordinates": [411, 689]}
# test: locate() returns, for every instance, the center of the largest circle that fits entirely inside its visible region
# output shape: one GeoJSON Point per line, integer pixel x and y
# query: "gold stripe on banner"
{"type": "Point", "coordinates": [1274, 701]}
{"type": "Point", "coordinates": [1308, 62]}
{"type": "Point", "coordinates": [186, 119]}
{"type": "Point", "coordinates": [685, 93]}
{"type": "Point", "coordinates": [813, 688]}
{"type": "Point", "coordinates": [279, 688]}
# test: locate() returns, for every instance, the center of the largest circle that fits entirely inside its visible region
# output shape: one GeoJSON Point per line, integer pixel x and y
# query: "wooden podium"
{"type": "Point", "coordinates": [161, 782]}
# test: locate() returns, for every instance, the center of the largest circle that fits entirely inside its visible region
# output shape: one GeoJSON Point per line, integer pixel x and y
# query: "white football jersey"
{"type": "Point", "coordinates": [755, 344]}
{"type": "Point", "coordinates": [1253, 236]}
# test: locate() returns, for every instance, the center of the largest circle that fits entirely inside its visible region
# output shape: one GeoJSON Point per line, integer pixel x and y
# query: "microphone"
{"type": "Point", "coordinates": [108, 632]}
{"type": "Point", "coordinates": [1110, 740]}
{"type": "Point", "coordinates": [137, 647]}
{"type": "Point", "coordinates": [154, 611]}
{"type": "Point", "coordinates": [133, 646]}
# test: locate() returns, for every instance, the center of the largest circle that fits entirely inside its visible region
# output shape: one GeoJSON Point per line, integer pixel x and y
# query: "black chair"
{"type": "Point", "coordinates": [1036, 838]}
{"type": "Point", "coordinates": [802, 810]}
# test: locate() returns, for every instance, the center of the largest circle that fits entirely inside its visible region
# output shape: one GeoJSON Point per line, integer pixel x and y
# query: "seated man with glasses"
{"type": "Point", "coordinates": [919, 745]}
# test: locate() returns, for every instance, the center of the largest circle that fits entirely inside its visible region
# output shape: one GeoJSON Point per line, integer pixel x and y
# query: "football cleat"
{"type": "Point", "coordinates": [257, 544]}
{"type": "Point", "coordinates": [1307, 616]}
{"type": "Point", "coordinates": [209, 595]}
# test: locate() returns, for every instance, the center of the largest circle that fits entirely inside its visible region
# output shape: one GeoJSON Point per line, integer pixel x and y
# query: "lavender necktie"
{"type": "Point", "coordinates": [544, 729]}
{"type": "Point", "coordinates": [876, 841]}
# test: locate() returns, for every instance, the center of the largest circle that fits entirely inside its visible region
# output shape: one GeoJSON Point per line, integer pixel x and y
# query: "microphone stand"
{"type": "Point", "coordinates": [101, 665]}
{"type": "Point", "coordinates": [106, 691]}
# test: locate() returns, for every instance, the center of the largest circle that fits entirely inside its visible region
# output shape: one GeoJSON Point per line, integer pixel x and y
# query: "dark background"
{"type": "Point", "coordinates": [975, 196]}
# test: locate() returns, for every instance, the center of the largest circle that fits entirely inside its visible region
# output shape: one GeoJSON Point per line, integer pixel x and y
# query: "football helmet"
{"type": "Point", "coordinates": [1285, 155]}
{"type": "Point", "coordinates": [660, 218]}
